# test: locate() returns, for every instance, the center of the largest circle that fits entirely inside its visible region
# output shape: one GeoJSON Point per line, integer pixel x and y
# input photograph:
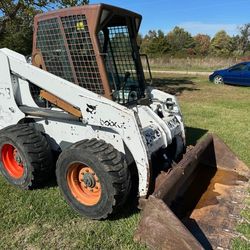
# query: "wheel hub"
{"type": "Point", "coordinates": [84, 184]}
{"type": "Point", "coordinates": [89, 180]}
{"type": "Point", "coordinates": [12, 161]}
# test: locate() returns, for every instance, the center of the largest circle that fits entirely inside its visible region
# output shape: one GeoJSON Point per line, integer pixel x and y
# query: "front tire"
{"type": "Point", "coordinates": [93, 177]}
{"type": "Point", "coordinates": [218, 80]}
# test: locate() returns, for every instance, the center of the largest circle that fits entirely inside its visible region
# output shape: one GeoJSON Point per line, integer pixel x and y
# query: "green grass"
{"type": "Point", "coordinates": [40, 219]}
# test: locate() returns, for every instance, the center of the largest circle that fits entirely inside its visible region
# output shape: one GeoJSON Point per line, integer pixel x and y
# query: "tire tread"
{"type": "Point", "coordinates": [36, 148]}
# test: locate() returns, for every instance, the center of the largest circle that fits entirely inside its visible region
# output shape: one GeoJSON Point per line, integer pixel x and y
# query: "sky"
{"type": "Point", "coordinates": [195, 16]}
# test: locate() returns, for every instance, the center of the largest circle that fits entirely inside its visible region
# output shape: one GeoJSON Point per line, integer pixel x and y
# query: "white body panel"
{"type": "Point", "coordinates": [136, 132]}
{"type": "Point", "coordinates": [9, 111]}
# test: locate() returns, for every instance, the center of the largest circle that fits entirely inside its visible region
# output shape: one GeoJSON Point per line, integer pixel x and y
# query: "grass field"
{"type": "Point", "coordinates": [40, 219]}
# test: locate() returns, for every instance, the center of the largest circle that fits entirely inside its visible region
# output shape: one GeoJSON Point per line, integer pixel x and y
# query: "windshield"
{"type": "Point", "coordinates": [122, 62]}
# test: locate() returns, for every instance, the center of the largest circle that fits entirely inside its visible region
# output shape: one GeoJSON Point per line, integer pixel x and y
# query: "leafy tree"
{"type": "Point", "coordinates": [155, 43]}
{"type": "Point", "coordinates": [202, 44]}
{"type": "Point", "coordinates": [16, 20]}
{"type": "Point", "coordinates": [181, 42]}
{"type": "Point", "coordinates": [17, 34]}
{"type": "Point", "coordinates": [69, 3]}
{"type": "Point", "coordinates": [235, 46]}
{"type": "Point", "coordinates": [244, 41]}
{"type": "Point", "coordinates": [221, 44]}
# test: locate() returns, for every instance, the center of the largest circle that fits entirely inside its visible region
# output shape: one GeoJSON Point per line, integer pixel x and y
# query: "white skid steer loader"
{"type": "Point", "coordinates": [84, 104]}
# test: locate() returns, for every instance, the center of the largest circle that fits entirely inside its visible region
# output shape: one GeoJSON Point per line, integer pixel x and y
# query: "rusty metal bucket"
{"type": "Point", "coordinates": [197, 204]}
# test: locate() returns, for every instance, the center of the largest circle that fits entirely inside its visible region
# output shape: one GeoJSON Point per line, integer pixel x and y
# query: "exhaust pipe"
{"type": "Point", "coordinates": [197, 203]}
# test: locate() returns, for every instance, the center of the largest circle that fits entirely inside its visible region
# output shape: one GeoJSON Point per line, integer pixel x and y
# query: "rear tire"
{"type": "Point", "coordinates": [218, 80]}
{"type": "Point", "coordinates": [26, 158]}
{"type": "Point", "coordinates": [93, 177]}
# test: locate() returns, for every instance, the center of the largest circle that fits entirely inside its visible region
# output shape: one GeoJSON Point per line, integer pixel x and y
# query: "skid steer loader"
{"type": "Point", "coordinates": [85, 104]}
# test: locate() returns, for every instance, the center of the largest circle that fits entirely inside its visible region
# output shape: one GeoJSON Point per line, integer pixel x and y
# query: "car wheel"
{"type": "Point", "coordinates": [218, 80]}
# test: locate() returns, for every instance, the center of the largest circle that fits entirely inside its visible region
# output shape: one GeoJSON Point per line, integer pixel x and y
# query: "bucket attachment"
{"type": "Point", "coordinates": [196, 205]}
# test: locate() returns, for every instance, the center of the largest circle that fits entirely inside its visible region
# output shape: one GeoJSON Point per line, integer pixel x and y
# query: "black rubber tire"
{"type": "Point", "coordinates": [35, 153]}
{"type": "Point", "coordinates": [174, 152]}
{"type": "Point", "coordinates": [110, 167]}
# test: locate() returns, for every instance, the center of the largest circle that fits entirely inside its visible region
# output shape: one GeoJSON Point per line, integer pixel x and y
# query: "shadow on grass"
{"type": "Point", "coordinates": [194, 134]}
{"type": "Point", "coordinates": [175, 86]}
{"type": "Point", "coordinates": [130, 208]}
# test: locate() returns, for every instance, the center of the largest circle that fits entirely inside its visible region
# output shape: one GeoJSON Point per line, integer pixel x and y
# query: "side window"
{"type": "Point", "coordinates": [239, 67]}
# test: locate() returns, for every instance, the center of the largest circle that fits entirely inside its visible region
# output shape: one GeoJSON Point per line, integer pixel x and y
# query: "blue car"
{"type": "Point", "coordinates": [238, 74]}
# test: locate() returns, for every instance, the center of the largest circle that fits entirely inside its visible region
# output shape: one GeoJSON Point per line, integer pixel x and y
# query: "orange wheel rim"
{"type": "Point", "coordinates": [84, 184]}
{"type": "Point", "coordinates": [12, 161]}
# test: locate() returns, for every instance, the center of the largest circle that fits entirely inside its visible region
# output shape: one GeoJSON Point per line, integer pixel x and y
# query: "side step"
{"type": "Point", "coordinates": [196, 205]}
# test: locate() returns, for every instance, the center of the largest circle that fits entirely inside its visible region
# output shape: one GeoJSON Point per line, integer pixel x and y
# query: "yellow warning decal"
{"type": "Point", "coordinates": [80, 26]}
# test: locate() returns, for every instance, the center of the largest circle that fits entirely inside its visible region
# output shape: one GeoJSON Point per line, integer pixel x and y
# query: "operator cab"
{"type": "Point", "coordinates": [93, 46]}
{"type": "Point", "coordinates": [119, 48]}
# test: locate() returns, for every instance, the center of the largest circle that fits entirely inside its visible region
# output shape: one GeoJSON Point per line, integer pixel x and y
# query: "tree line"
{"type": "Point", "coordinates": [16, 29]}
{"type": "Point", "coordinates": [180, 43]}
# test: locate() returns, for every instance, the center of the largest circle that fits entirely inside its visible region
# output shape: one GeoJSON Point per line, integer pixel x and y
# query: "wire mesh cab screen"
{"type": "Point", "coordinates": [122, 61]}
{"type": "Point", "coordinates": [67, 51]}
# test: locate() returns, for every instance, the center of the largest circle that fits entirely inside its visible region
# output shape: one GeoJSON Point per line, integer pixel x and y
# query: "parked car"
{"type": "Point", "coordinates": [238, 74]}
